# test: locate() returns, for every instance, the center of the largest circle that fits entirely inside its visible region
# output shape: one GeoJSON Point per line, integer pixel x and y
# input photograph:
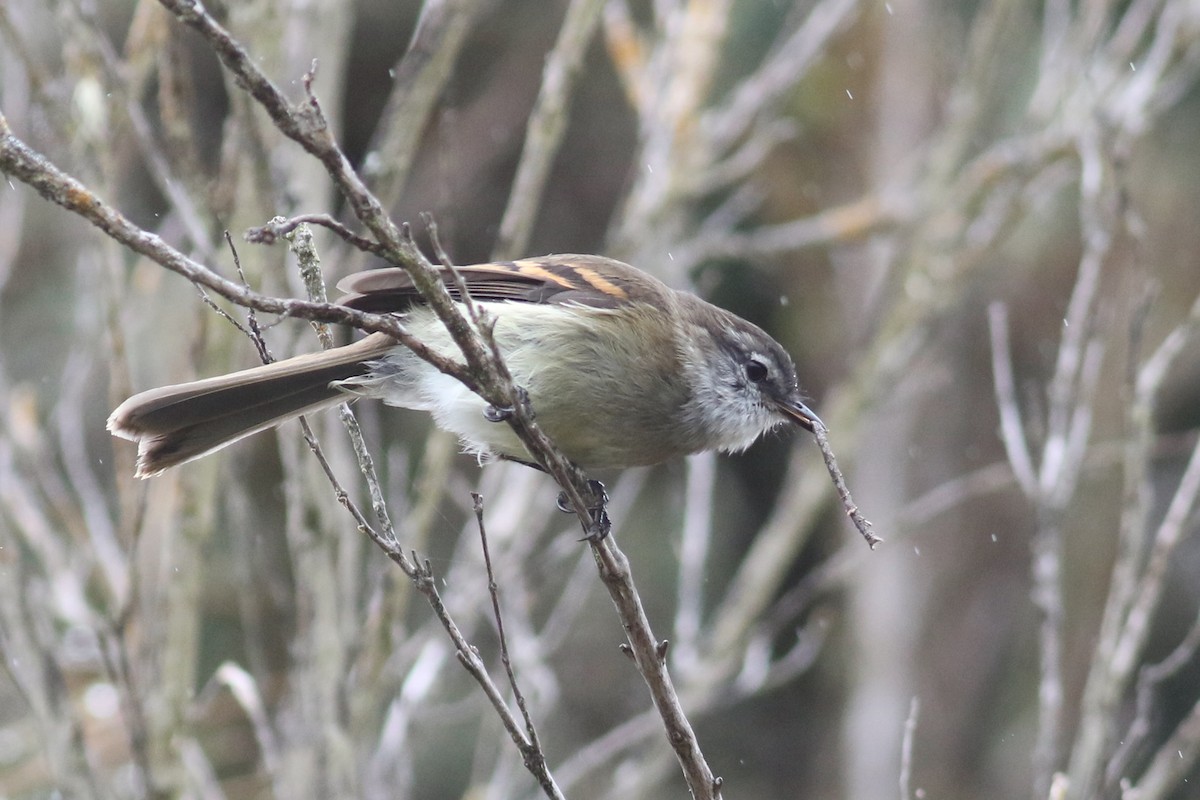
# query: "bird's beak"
{"type": "Point", "coordinates": [800, 414]}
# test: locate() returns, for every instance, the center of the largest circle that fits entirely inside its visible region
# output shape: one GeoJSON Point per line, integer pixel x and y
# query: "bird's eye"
{"type": "Point", "coordinates": [756, 371]}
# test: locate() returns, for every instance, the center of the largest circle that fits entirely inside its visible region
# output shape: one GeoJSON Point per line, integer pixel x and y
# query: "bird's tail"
{"type": "Point", "coordinates": [180, 423]}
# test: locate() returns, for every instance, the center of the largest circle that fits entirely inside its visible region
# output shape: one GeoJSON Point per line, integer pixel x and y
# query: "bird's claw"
{"type": "Point", "coordinates": [600, 524]}
{"type": "Point", "coordinates": [498, 414]}
{"type": "Point", "coordinates": [504, 413]}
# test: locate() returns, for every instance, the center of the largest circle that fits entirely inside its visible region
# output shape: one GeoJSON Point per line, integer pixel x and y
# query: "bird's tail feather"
{"type": "Point", "coordinates": [175, 424]}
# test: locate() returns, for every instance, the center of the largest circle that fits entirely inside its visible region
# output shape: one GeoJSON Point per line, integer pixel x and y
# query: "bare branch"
{"type": "Point", "coordinates": [646, 652]}
{"type": "Point", "coordinates": [839, 484]}
{"type": "Point", "coordinates": [279, 226]}
{"type": "Point", "coordinates": [529, 745]}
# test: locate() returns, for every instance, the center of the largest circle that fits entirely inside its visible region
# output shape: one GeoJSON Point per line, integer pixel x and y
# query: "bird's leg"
{"type": "Point", "coordinates": [601, 525]}
{"type": "Point", "coordinates": [598, 510]}
{"type": "Point", "coordinates": [522, 462]}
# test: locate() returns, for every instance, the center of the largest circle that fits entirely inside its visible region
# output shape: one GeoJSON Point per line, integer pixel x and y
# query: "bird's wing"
{"type": "Point", "coordinates": [558, 279]}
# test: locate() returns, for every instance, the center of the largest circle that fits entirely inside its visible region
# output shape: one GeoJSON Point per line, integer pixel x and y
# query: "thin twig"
{"type": "Point", "coordinates": [839, 483]}
{"type": "Point", "coordinates": [648, 654]}
{"type": "Point", "coordinates": [300, 241]}
{"type": "Point", "coordinates": [531, 748]}
{"type": "Point", "coordinates": [303, 247]}
{"type": "Point", "coordinates": [282, 226]}
{"type": "Point", "coordinates": [308, 261]}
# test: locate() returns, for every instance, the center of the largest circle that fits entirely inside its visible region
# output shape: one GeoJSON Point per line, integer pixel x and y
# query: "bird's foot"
{"type": "Point", "coordinates": [498, 413]}
{"type": "Point", "coordinates": [599, 523]}
{"type": "Point", "coordinates": [504, 413]}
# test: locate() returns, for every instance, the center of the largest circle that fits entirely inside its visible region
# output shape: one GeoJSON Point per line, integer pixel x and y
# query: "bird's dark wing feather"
{"type": "Point", "coordinates": [579, 279]}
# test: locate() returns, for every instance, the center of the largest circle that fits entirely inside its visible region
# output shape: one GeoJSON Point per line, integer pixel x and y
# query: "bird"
{"type": "Point", "coordinates": [620, 369]}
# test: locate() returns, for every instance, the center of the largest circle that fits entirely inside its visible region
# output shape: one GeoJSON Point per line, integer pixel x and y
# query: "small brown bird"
{"type": "Point", "coordinates": [621, 371]}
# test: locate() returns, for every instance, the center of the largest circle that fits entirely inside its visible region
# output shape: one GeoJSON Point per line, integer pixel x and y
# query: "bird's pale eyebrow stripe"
{"type": "Point", "coordinates": [600, 283]}
{"type": "Point", "coordinates": [536, 270]}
